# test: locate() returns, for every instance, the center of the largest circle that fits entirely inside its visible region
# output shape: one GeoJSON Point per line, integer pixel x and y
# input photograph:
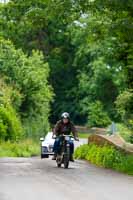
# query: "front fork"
{"type": "Point", "coordinates": [64, 151]}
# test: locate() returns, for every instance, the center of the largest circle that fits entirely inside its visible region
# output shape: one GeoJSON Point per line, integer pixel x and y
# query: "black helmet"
{"type": "Point", "coordinates": [65, 115]}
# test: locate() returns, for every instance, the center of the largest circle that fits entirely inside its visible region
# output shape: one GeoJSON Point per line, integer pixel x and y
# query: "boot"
{"type": "Point", "coordinates": [54, 157]}
{"type": "Point", "coordinates": [71, 158]}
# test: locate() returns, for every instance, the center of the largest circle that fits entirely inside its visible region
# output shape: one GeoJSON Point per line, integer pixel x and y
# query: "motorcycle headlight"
{"type": "Point", "coordinates": [67, 138]}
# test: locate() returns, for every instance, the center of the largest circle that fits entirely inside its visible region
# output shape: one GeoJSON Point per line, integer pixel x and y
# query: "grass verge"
{"type": "Point", "coordinates": [106, 156]}
{"type": "Point", "coordinates": [83, 135]}
{"type": "Point", "coordinates": [26, 148]}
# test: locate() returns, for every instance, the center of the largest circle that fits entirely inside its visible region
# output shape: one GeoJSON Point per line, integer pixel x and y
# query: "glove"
{"type": "Point", "coordinates": [53, 136]}
{"type": "Point", "coordinates": [76, 139]}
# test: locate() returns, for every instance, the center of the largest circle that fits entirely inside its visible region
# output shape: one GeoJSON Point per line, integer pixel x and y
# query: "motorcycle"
{"type": "Point", "coordinates": [63, 157]}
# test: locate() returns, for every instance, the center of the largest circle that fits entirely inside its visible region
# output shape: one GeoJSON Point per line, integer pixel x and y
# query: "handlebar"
{"type": "Point", "coordinates": [76, 139]}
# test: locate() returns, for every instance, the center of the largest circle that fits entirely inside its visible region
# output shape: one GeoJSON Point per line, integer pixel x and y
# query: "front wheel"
{"type": "Point", "coordinates": [67, 157]}
{"type": "Point", "coordinates": [58, 161]}
{"type": "Point", "coordinates": [59, 165]}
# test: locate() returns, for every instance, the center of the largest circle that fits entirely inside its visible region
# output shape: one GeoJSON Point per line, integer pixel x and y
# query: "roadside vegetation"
{"type": "Point", "coordinates": [26, 148]}
{"type": "Point", "coordinates": [83, 135]}
{"type": "Point", "coordinates": [125, 133]}
{"type": "Point", "coordinates": [107, 157]}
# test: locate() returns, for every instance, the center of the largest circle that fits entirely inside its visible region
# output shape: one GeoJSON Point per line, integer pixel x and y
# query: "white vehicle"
{"type": "Point", "coordinates": [47, 145]}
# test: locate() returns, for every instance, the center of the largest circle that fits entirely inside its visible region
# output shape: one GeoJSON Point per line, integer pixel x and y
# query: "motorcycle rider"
{"type": "Point", "coordinates": [64, 126]}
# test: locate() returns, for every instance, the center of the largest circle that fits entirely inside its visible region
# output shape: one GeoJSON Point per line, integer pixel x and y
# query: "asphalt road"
{"type": "Point", "coordinates": [36, 179]}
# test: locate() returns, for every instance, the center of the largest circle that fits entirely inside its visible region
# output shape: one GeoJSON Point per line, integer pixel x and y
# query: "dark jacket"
{"type": "Point", "coordinates": [61, 128]}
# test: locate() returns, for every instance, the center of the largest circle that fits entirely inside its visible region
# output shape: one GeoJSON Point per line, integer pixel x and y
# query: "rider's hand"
{"type": "Point", "coordinates": [76, 139]}
{"type": "Point", "coordinates": [53, 136]}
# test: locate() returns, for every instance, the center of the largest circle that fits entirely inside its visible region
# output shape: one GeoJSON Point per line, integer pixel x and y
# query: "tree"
{"type": "Point", "coordinates": [10, 124]}
{"type": "Point", "coordinates": [124, 104]}
{"type": "Point", "coordinates": [29, 76]}
{"type": "Point", "coordinates": [87, 44]}
{"type": "Point", "coordinates": [97, 117]}
{"type": "Point", "coordinates": [43, 25]}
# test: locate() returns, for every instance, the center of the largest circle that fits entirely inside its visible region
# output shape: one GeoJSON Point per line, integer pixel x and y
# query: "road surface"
{"type": "Point", "coordinates": [36, 179]}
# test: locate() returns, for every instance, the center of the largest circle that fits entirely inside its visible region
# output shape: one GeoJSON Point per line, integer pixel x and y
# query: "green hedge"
{"type": "Point", "coordinates": [125, 132]}
{"type": "Point", "coordinates": [25, 148]}
{"type": "Point", "coordinates": [97, 116]}
{"type": "Point", "coordinates": [106, 156]}
{"type": "Point", "coordinates": [10, 125]}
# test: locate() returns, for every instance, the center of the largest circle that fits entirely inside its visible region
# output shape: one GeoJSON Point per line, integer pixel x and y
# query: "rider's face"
{"type": "Point", "coordinates": [65, 120]}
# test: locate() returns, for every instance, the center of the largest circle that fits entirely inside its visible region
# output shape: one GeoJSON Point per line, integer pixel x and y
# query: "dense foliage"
{"type": "Point", "coordinates": [97, 116]}
{"type": "Point", "coordinates": [88, 46]}
{"type": "Point", "coordinates": [125, 132]}
{"type": "Point", "coordinates": [10, 124]}
{"type": "Point", "coordinates": [107, 157]}
{"type": "Point", "coordinates": [124, 105]}
{"type": "Point", "coordinates": [24, 92]}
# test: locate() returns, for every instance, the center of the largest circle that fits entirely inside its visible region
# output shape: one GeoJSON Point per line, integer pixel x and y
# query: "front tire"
{"type": "Point", "coordinates": [58, 161]}
{"type": "Point", "coordinates": [67, 158]}
{"type": "Point", "coordinates": [58, 165]}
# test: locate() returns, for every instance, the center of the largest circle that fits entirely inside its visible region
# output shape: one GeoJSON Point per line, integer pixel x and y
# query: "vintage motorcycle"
{"type": "Point", "coordinates": [63, 157]}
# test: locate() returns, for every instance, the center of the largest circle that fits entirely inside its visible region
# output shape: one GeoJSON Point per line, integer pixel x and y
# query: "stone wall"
{"type": "Point", "coordinates": [115, 141]}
